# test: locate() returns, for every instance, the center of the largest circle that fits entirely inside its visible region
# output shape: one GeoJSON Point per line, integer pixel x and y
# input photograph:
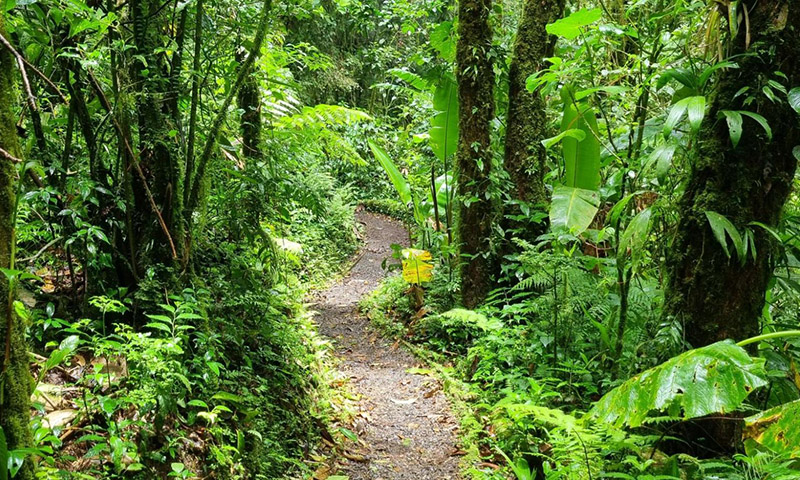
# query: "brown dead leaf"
{"type": "Point", "coordinates": [322, 473]}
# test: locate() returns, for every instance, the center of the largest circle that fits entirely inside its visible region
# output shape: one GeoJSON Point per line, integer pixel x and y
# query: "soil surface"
{"type": "Point", "coordinates": [404, 424]}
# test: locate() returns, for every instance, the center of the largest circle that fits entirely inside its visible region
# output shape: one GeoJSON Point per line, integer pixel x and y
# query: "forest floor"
{"type": "Point", "coordinates": [405, 428]}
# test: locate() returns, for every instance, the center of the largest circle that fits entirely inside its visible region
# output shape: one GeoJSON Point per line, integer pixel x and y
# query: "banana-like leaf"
{"type": "Point", "coordinates": [712, 379]}
{"type": "Point", "coordinates": [581, 157]}
{"type": "Point", "coordinates": [573, 209]}
{"type": "Point", "coordinates": [444, 124]}
{"type": "Point", "coordinates": [777, 429]}
{"type": "Point", "coordinates": [398, 180]}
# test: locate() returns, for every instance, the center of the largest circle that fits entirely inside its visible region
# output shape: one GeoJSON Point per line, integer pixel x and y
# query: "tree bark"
{"type": "Point", "coordinates": [159, 159]}
{"type": "Point", "coordinates": [713, 296]}
{"type": "Point", "coordinates": [15, 378]}
{"type": "Point", "coordinates": [474, 157]}
{"type": "Point", "coordinates": [250, 102]}
{"type": "Point", "coordinates": [526, 124]}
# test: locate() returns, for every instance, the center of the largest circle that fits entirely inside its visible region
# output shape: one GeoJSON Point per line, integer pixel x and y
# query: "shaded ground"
{"type": "Point", "coordinates": [404, 420]}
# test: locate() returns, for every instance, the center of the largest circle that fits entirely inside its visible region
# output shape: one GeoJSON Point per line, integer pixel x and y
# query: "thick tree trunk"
{"type": "Point", "coordinates": [250, 102]}
{"type": "Point", "coordinates": [526, 123]}
{"type": "Point", "coordinates": [714, 296]}
{"type": "Point", "coordinates": [476, 109]}
{"type": "Point", "coordinates": [159, 157]}
{"type": "Point", "coordinates": [15, 379]}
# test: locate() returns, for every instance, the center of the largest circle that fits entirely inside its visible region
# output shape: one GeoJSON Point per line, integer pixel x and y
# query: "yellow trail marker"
{"type": "Point", "coordinates": [416, 268]}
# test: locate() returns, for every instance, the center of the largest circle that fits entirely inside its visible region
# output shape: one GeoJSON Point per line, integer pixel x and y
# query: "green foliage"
{"type": "Point", "coordinates": [573, 209]}
{"type": "Point", "coordinates": [572, 26]}
{"type": "Point", "coordinates": [444, 124]}
{"type": "Point", "coordinates": [776, 430]}
{"type": "Point", "coordinates": [581, 156]}
{"type": "Point", "coordinates": [712, 379]}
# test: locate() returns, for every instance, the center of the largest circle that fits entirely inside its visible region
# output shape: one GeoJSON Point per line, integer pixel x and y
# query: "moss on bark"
{"type": "Point", "coordinates": [474, 157]}
{"type": "Point", "coordinates": [526, 123]}
{"type": "Point", "coordinates": [159, 159]}
{"type": "Point", "coordinates": [15, 380]}
{"type": "Point", "coordinates": [716, 297]}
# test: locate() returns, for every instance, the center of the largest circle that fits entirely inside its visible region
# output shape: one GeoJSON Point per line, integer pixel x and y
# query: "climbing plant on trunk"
{"type": "Point", "coordinates": [15, 378]}
{"type": "Point", "coordinates": [526, 121]}
{"type": "Point", "coordinates": [474, 157]}
{"type": "Point", "coordinates": [742, 171]}
{"type": "Point", "coordinates": [159, 157]}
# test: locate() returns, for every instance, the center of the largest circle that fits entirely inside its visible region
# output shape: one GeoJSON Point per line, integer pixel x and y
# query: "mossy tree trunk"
{"type": "Point", "coordinates": [716, 297]}
{"type": "Point", "coordinates": [526, 121]}
{"type": "Point", "coordinates": [474, 157]}
{"type": "Point", "coordinates": [159, 158]}
{"type": "Point", "coordinates": [15, 379]}
{"type": "Point", "coordinates": [250, 102]}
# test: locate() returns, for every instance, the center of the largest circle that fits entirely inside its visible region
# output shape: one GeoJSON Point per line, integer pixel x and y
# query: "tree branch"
{"type": "Point", "coordinates": [134, 158]}
{"type": "Point", "coordinates": [211, 140]}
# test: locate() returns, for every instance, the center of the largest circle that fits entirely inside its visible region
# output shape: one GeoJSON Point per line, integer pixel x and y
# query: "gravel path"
{"type": "Point", "coordinates": [403, 418]}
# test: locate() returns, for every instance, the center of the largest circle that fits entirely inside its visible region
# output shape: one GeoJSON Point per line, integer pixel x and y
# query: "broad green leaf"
{"type": "Point", "coordinates": [227, 397]}
{"type": "Point", "coordinates": [636, 232]}
{"type": "Point", "coordinates": [706, 75]}
{"type": "Point", "coordinates": [734, 121]}
{"type": "Point", "coordinates": [398, 180]}
{"type": "Point", "coordinates": [410, 78]}
{"type": "Point", "coordinates": [694, 105]}
{"type": "Point", "coordinates": [794, 99]}
{"type": "Point", "coordinates": [661, 157]}
{"type": "Point", "coordinates": [761, 121]}
{"type": "Point", "coordinates": [777, 429]}
{"type": "Point", "coordinates": [573, 209]}
{"type": "Point", "coordinates": [712, 379]}
{"type": "Point", "coordinates": [3, 456]}
{"type": "Point", "coordinates": [581, 157]}
{"type": "Point", "coordinates": [722, 226]}
{"type": "Point", "coordinates": [696, 110]}
{"type": "Point", "coordinates": [682, 75]}
{"type": "Point", "coordinates": [575, 133]}
{"type": "Point", "coordinates": [444, 124]}
{"type": "Point", "coordinates": [159, 326]}
{"type": "Point", "coordinates": [571, 26]}
{"type": "Point", "coordinates": [610, 89]}
{"type": "Point", "coordinates": [443, 41]}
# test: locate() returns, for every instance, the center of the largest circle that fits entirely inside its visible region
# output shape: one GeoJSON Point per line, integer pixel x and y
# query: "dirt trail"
{"type": "Point", "coordinates": [403, 418]}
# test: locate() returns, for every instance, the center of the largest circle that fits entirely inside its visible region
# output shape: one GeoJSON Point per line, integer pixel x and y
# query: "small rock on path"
{"type": "Point", "coordinates": [403, 418]}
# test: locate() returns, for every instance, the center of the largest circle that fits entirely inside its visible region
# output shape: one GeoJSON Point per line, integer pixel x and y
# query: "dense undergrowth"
{"type": "Point", "coordinates": [525, 372]}
{"type": "Point", "coordinates": [226, 379]}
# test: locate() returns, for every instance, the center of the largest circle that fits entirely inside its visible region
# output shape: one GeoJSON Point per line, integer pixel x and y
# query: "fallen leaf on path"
{"type": "Point", "coordinates": [59, 418]}
{"type": "Point", "coordinates": [403, 402]}
{"type": "Point", "coordinates": [322, 473]}
{"type": "Point", "coordinates": [431, 392]}
{"type": "Point", "coordinates": [356, 457]}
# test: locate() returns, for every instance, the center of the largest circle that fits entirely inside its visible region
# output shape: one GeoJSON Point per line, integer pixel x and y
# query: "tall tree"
{"type": "Point", "coordinates": [526, 121]}
{"type": "Point", "coordinates": [159, 159]}
{"type": "Point", "coordinates": [475, 77]}
{"type": "Point", "coordinates": [250, 103]}
{"type": "Point", "coordinates": [15, 377]}
{"type": "Point", "coordinates": [717, 297]}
